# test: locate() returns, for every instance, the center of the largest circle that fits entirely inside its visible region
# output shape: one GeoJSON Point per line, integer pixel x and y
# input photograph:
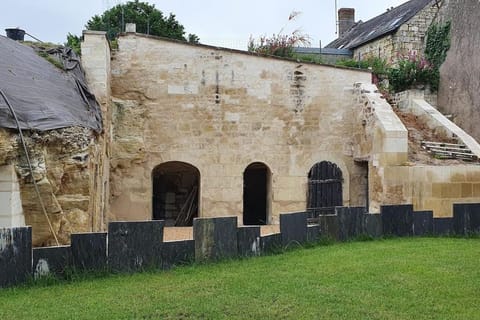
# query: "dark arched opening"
{"type": "Point", "coordinates": [324, 188]}
{"type": "Point", "coordinates": [175, 193]}
{"type": "Point", "coordinates": [256, 194]}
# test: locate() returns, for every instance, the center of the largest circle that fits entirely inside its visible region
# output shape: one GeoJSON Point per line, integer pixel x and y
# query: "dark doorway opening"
{"type": "Point", "coordinates": [175, 193]}
{"type": "Point", "coordinates": [256, 194]}
{"type": "Point", "coordinates": [325, 190]}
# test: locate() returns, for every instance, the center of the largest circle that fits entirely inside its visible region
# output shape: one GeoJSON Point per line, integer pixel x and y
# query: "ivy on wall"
{"type": "Point", "coordinates": [438, 43]}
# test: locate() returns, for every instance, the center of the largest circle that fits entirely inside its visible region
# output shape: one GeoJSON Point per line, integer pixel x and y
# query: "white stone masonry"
{"type": "Point", "coordinates": [11, 213]}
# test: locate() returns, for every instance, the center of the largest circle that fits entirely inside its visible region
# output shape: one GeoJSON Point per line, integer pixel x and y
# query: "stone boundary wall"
{"type": "Point", "coordinates": [139, 245]}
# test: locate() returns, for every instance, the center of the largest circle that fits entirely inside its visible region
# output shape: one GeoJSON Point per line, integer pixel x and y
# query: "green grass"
{"type": "Point", "coordinates": [410, 278]}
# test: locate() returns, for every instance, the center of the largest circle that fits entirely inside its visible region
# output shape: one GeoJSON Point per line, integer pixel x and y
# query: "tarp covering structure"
{"type": "Point", "coordinates": [43, 96]}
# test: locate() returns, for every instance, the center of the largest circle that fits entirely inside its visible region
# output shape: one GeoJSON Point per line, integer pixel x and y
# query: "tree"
{"type": "Point", "coordinates": [73, 42]}
{"type": "Point", "coordinates": [148, 19]}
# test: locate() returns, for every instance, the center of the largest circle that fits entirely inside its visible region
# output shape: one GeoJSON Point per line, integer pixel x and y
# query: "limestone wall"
{"type": "Point", "coordinates": [393, 180]}
{"type": "Point", "coordinates": [70, 167]}
{"type": "Point", "coordinates": [383, 48]}
{"type": "Point", "coordinates": [96, 64]}
{"type": "Point", "coordinates": [220, 110]}
{"type": "Point", "coordinates": [63, 162]}
{"type": "Point", "coordinates": [11, 212]}
{"type": "Point", "coordinates": [434, 188]}
{"type": "Point", "coordinates": [383, 142]}
{"type": "Point", "coordinates": [409, 38]}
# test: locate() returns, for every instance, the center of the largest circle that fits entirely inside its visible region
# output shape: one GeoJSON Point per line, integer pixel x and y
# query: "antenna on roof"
{"type": "Point", "coordinates": [336, 17]}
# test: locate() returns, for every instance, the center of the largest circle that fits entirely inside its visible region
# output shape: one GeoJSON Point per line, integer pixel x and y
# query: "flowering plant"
{"type": "Point", "coordinates": [280, 44]}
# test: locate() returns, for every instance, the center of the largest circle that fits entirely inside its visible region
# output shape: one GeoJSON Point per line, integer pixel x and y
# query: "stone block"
{"type": "Point", "coordinates": [51, 261]}
{"type": "Point", "coordinates": [271, 242]}
{"type": "Point", "coordinates": [350, 222]}
{"type": "Point", "coordinates": [15, 255]}
{"type": "Point", "coordinates": [89, 251]}
{"type": "Point", "coordinates": [248, 240]}
{"type": "Point", "coordinates": [373, 225]}
{"type": "Point", "coordinates": [466, 218]}
{"type": "Point", "coordinates": [177, 253]}
{"type": "Point", "coordinates": [467, 190]}
{"type": "Point", "coordinates": [397, 220]}
{"type": "Point", "coordinates": [442, 226]}
{"type": "Point", "coordinates": [313, 233]}
{"type": "Point", "coordinates": [135, 245]}
{"type": "Point", "coordinates": [293, 228]}
{"type": "Point", "coordinates": [422, 223]}
{"type": "Point", "coordinates": [215, 238]}
{"type": "Point", "coordinates": [328, 226]}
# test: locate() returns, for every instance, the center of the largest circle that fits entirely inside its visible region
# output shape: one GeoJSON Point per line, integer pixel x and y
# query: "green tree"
{"type": "Point", "coordinates": [73, 42]}
{"type": "Point", "coordinates": [148, 19]}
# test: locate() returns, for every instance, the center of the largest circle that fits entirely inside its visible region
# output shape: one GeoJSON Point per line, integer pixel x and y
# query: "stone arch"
{"type": "Point", "coordinates": [175, 193]}
{"type": "Point", "coordinates": [257, 199]}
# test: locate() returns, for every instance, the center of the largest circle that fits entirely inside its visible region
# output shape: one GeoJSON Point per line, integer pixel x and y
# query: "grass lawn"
{"type": "Point", "coordinates": [409, 278]}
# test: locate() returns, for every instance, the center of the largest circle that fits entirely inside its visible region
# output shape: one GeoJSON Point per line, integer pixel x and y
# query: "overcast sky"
{"type": "Point", "coordinates": [217, 22]}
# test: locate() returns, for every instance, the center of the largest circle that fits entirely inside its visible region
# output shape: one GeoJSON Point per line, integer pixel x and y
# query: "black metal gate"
{"type": "Point", "coordinates": [324, 189]}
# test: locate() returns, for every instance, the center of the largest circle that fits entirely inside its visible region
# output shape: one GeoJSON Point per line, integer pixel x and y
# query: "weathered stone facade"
{"type": "Point", "coordinates": [458, 94]}
{"type": "Point", "coordinates": [71, 170]}
{"type": "Point", "coordinates": [220, 111]}
{"type": "Point", "coordinates": [392, 178]}
{"type": "Point", "coordinates": [64, 165]}
{"type": "Point", "coordinates": [409, 38]}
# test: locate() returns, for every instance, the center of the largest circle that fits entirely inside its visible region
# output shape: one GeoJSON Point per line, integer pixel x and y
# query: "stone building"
{"type": "Point", "coordinates": [200, 131]}
{"type": "Point", "coordinates": [397, 32]}
{"type": "Point", "coordinates": [205, 131]}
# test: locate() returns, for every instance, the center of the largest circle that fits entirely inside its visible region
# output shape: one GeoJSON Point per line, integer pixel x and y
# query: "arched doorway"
{"type": "Point", "coordinates": [325, 190]}
{"type": "Point", "coordinates": [175, 193]}
{"type": "Point", "coordinates": [256, 194]}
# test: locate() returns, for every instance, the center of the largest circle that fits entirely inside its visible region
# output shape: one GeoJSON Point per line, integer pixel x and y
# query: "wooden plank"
{"type": "Point", "coordinates": [459, 145]}
{"type": "Point", "coordinates": [461, 151]}
{"type": "Point", "coordinates": [452, 153]}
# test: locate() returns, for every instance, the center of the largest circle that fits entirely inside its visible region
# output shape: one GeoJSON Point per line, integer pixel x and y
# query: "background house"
{"type": "Point", "coordinates": [398, 31]}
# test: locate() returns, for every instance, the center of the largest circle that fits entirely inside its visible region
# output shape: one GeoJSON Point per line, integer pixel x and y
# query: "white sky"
{"type": "Point", "coordinates": [217, 22]}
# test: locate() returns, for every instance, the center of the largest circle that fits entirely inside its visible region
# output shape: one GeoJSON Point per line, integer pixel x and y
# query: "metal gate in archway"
{"type": "Point", "coordinates": [324, 189]}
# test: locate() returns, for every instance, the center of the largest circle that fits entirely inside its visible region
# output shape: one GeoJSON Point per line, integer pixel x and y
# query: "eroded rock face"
{"type": "Point", "coordinates": [64, 163]}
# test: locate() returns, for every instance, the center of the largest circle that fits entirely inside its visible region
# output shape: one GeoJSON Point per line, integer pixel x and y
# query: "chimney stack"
{"type": "Point", "coordinates": [131, 28]}
{"type": "Point", "coordinates": [346, 19]}
{"type": "Point", "coordinates": [15, 33]}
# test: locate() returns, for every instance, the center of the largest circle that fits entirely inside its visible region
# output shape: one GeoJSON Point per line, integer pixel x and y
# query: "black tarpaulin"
{"type": "Point", "coordinates": [43, 96]}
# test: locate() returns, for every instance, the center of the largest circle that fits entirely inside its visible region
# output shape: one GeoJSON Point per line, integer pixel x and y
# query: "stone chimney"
{"type": "Point", "coordinates": [130, 28]}
{"type": "Point", "coordinates": [346, 19]}
{"type": "Point", "coordinates": [15, 33]}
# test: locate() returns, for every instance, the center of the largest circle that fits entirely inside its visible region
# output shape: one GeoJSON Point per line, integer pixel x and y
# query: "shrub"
{"type": "Point", "coordinates": [412, 71]}
{"type": "Point", "coordinates": [280, 44]}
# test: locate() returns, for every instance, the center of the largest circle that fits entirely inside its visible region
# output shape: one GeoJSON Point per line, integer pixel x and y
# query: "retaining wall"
{"type": "Point", "coordinates": [139, 245]}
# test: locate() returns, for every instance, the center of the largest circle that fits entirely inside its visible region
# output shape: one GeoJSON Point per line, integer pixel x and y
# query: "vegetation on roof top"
{"type": "Point", "coordinates": [41, 49]}
{"type": "Point", "coordinates": [280, 44]}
